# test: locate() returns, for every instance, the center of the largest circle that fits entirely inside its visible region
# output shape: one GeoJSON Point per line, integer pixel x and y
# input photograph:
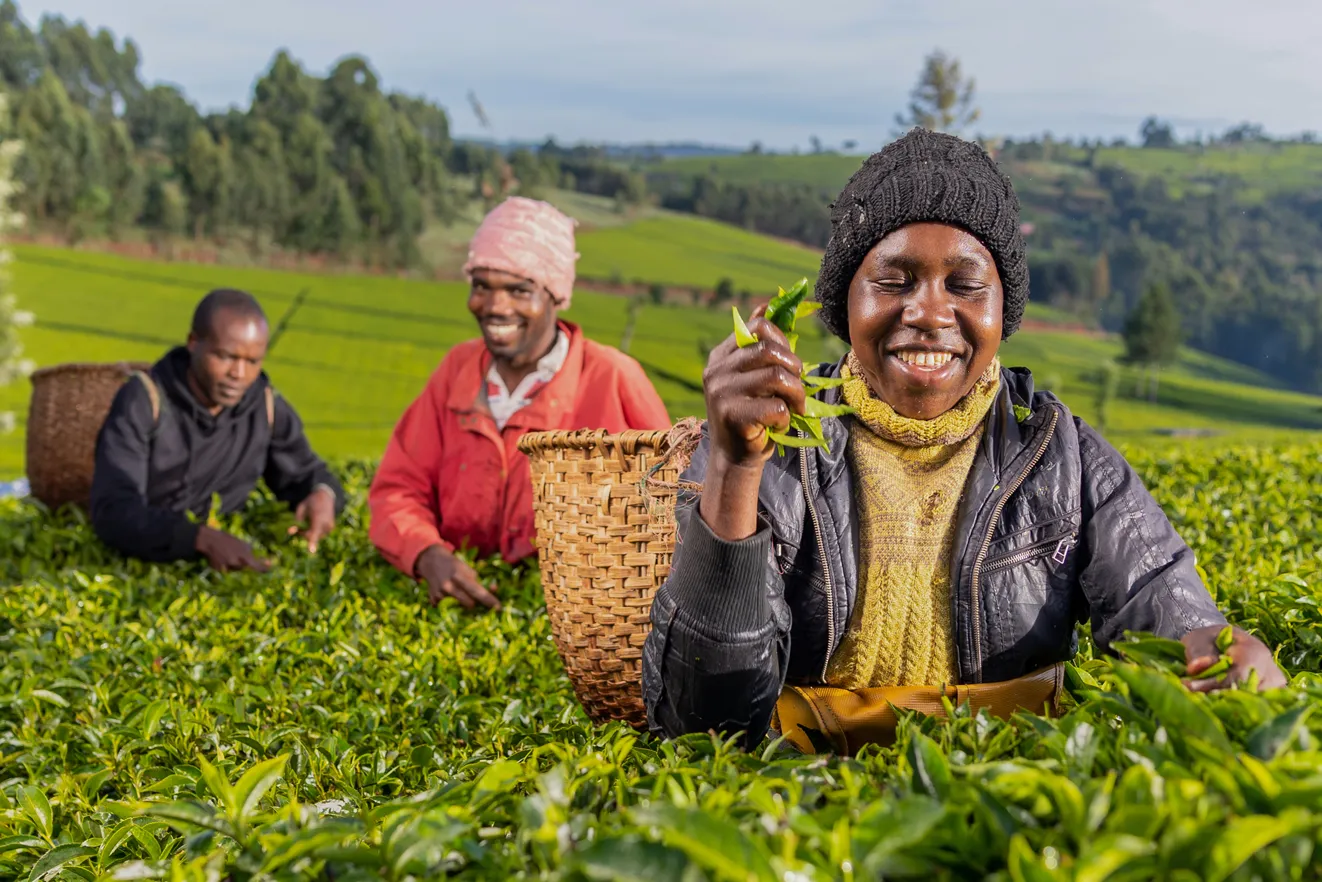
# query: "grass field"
{"type": "Point", "coordinates": [647, 245]}
{"type": "Point", "coordinates": [359, 349]}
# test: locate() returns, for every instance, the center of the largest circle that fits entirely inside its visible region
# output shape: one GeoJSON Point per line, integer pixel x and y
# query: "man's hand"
{"type": "Point", "coordinates": [225, 552]}
{"type": "Point", "coordinates": [448, 576]}
{"type": "Point", "coordinates": [318, 512]}
{"type": "Point", "coordinates": [1246, 653]}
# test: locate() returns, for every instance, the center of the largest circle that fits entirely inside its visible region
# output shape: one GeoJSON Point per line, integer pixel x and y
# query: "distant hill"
{"type": "Point", "coordinates": [1233, 229]}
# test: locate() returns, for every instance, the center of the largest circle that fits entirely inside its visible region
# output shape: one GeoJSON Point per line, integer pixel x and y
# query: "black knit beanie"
{"type": "Point", "coordinates": [923, 177]}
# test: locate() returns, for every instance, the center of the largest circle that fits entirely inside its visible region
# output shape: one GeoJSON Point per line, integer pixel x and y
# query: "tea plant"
{"type": "Point", "coordinates": [323, 722]}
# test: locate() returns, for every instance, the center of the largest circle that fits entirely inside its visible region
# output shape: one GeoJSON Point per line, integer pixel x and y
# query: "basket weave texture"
{"type": "Point", "coordinates": [604, 507]}
{"type": "Point", "coordinates": [69, 404]}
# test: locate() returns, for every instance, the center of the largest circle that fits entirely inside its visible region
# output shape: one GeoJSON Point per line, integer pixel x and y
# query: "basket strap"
{"type": "Point", "coordinates": [270, 406]}
{"type": "Point", "coordinates": [152, 393]}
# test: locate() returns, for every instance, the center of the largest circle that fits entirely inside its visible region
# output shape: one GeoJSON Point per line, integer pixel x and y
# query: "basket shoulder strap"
{"type": "Point", "coordinates": [270, 406]}
{"type": "Point", "coordinates": [153, 394]}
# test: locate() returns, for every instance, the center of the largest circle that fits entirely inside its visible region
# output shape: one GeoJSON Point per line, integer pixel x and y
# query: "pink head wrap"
{"type": "Point", "coordinates": [528, 238]}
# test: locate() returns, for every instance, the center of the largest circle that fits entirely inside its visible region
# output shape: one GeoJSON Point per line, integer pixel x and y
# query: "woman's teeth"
{"type": "Point", "coordinates": [919, 358]}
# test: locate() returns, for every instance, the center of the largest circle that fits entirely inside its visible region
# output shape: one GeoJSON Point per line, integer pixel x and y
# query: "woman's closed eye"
{"type": "Point", "coordinates": [968, 287]}
{"type": "Point", "coordinates": [891, 284]}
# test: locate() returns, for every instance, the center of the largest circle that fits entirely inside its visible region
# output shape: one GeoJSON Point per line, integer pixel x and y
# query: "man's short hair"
{"type": "Point", "coordinates": [231, 300]}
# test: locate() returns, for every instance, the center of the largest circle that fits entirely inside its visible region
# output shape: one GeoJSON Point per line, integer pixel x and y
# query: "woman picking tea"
{"type": "Point", "coordinates": [951, 531]}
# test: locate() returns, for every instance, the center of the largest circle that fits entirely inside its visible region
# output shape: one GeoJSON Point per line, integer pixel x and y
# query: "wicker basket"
{"type": "Point", "coordinates": [69, 404]}
{"type": "Point", "coordinates": [604, 509]}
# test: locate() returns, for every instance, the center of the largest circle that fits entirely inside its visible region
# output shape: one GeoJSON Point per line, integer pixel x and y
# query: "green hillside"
{"type": "Point", "coordinates": [690, 251]}
{"type": "Point", "coordinates": [646, 245]}
{"type": "Point", "coordinates": [360, 348]}
{"type": "Point", "coordinates": [1263, 168]}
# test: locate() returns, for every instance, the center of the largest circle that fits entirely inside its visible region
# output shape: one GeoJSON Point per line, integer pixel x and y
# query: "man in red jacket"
{"type": "Point", "coordinates": [452, 475]}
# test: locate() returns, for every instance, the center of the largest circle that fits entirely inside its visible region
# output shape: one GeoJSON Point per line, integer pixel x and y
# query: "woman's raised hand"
{"type": "Point", "coordinates": [749, 390]}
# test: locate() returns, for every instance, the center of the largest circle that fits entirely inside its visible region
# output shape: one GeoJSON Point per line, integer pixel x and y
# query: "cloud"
{"type": "Point", "coordinates": [733, 71]}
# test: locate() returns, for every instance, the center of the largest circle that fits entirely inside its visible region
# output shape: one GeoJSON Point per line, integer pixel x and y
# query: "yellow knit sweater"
{"type": "Point", "coordinates": [908, 479]}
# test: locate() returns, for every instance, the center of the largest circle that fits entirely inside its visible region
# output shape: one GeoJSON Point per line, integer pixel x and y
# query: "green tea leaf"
{"type": "Point", "coordinates": [37, 809]}
{"type": "Point", "coordinates": [630, 859]}
{"type": "Point", "coordinates": [1146, 649]}
{"type": "Point", "coordinates": [820, 410]}
{"type": "Point", "coordinates": [250, 789]}
{"type": "Point", "coordinates": [785, 440]}
{"type": "Point", "coordinates": [930, 766]}
{"type": "Point", "coordinates": [815, 382]}
{"type": "Point", "coordinates": [151, 718]}
{"type": "Point", "coordinates": [885, 832]}
{"type": "Point", "coordinates": [742, 336]}
{"type": "Point", "coordinates": [1269, 741]}
{"type": "Point", "coordinates": [806, 308]}
{"type": "Point", "coordinates": [1116, 858]}
{"type": "Point", "coordinates": [1174, 706]}
{"type": "Point", "coordinates": [1224, 638]}
{"type": "Point", "coordinates": [19, 843]}
{"type": "Point", "coordinates": [220, 788]}
{"type": "Point", "coordinates": [112, 841]}
{"type": "Point", "coordinates": [186, 815]}
{"type": "Point", "coordinates": [50, 697]}
{"type": "Point", "coordinates": [783, 308]}
{"type": "Point", "coordinates": [1240, 840]}
{"type": "Point", "coordinates": [710, 841]}
{"type": "Point", "coordinates": [57, 858]}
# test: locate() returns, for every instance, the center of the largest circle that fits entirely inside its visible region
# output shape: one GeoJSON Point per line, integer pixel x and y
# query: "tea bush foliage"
{"type": "Point", "coordinates": [322, 722]}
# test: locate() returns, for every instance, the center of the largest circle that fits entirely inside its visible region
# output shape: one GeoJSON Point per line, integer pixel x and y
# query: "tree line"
{"type": "Point", "coordinates": [330, 164]}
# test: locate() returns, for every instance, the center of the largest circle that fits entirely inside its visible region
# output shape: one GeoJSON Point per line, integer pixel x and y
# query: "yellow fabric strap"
{"type": "Point", "coordinates": [847, 719]}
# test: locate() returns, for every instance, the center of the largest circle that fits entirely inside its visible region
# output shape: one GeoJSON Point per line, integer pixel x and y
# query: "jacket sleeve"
{"type": "Point", "coordinates": [119, 511]}
{"type": "Point", "coordinates": [643, 408]}
{"type": "Point", "coordinates": [293, 471]}
{"type": "Point", "coordinates": [717, 653]}
{"type": "Point", "coordinates": [405, 520]}
{"type": "Point", "coordinates": [1137, 573]}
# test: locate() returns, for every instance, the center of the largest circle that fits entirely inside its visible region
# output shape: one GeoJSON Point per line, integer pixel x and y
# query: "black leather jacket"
{"type": "Point", "coordinates": [1054, 527]}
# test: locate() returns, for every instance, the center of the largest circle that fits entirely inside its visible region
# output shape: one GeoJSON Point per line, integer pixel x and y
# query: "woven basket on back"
{"type": "Point", "coordinates": [604, 508]}
{"type": "Point", "coordinates": [69, 404]}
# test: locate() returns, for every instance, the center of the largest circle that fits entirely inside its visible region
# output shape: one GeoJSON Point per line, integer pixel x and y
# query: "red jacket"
{"type": "Point", "coordinates": [450, 477]}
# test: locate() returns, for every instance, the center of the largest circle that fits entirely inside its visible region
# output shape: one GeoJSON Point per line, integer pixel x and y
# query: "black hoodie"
{"type": "Point", "coordinates": [148, 477]}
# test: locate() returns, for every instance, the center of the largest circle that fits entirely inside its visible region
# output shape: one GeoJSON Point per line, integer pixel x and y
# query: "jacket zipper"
{"type": "Point", "coordinates": [991, 528]}
{"type": "Point", "coordinates": [1059, 548]}
{"type": "Point", "coordinates": [826, 565]}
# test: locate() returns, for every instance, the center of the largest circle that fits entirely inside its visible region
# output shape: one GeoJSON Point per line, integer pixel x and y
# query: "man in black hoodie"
{"type": "Point", "coordinates": [205, 421]}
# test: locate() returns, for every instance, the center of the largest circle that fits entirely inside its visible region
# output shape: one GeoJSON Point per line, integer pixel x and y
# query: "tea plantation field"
{"type": "Point", "coordinates": [356, 350]}
{"type": "Point", "coordinates": [322, 722]}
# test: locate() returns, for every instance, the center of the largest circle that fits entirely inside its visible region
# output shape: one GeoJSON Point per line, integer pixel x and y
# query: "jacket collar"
{"type": "Point", "coordinates": [548, 409]}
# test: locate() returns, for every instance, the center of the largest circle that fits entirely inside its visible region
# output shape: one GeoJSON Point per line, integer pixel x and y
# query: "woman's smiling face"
{"type": "Point", "coordinates": [925, 317]}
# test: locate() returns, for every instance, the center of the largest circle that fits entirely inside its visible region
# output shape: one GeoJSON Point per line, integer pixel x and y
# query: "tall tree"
{"type": "Point", "coordinates": [261, 180]}
{"type": "Point", "coordinates": [1099, 286]}
{"type": "Point", "coordinates": [21, 57]}
{"type": "Point", "coordinates": [208, 169]}
{"type": "Point", "coordinates": [125, 179]}
{"type": "Point", "coordinates": [12, 365]}
{"type": "Point", "coordinates": [163, 120]}
{"type": "Point", "coordinates": [1156, 133]}
{"type": "Point", "coordinates": [62, 160]}
{"type": "Point", "coordinates": [942, 100]}
{"type": "Point", "coordinates": [1152, 334]}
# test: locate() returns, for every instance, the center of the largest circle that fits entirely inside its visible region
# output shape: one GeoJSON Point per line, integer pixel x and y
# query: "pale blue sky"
{"type": "Point", "coordinates": [735, 71]}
